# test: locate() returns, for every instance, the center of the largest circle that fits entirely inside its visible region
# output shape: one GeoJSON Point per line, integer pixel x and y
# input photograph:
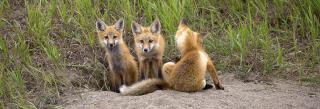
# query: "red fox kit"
{"type": "Point", "coordinates": [122, 65]}
{"type": "Point", "coordinates": [188, 74]}
{"type": "Point", "coordinates": [149, 46]}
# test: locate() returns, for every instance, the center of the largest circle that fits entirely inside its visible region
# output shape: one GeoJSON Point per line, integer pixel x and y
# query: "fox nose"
{"type": "Point", "coordinates": [111, 45]}
{"type": "Point", "coordinates": [145, 50]}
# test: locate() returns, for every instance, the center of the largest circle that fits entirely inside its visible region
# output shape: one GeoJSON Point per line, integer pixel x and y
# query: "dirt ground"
{"type": "Point", "coordinates": [279, 94]}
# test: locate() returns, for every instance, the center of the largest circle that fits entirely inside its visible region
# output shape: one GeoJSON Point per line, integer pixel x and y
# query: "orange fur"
{"type": "Point", "coordinates": [188, 74]}
{"type": "Point", "coordinates": [122, 65]}
{"type": "Point", "coordinates": [149, 46]}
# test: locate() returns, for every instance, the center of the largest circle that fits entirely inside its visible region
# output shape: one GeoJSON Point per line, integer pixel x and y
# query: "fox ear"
{"type": "Point", "coordinates": [119, 24]}
{"type": "Point", "coordinates": [183, 23]}
{"type": "Point", "coordinates": [156, 26]}
{"type": "Point", "coordinates": [100, 25]}
{"type": "Point", "coordinates": [136, 28]}
{"type": "Point", "coordinates": [203, 35]}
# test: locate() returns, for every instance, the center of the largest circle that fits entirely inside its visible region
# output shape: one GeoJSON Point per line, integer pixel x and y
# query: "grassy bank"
{"type": "Point", "coordinates": [49, 47]}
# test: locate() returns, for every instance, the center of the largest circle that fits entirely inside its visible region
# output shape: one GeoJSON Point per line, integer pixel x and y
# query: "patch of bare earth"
{"type": "Point", "coordinates": [280, 94]}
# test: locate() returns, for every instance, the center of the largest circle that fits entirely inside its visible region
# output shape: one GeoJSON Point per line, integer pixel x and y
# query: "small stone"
{"type": "Point", "coordinates": [311, 95]}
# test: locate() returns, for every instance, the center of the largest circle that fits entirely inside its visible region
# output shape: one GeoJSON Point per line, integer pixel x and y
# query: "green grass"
{"type": "Point", "coordinates": [53, 39]}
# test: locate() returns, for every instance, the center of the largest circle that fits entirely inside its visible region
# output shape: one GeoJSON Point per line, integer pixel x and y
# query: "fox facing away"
{"type": "Point", "coordinates": [123, 67]}
{"type": "Point", "coordinates": [149, 46]}
{"type": "Point", "coordinates": [188, 74]}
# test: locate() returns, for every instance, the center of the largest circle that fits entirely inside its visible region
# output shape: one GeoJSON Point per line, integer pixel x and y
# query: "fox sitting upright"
{"type": "Point", "coordinates": [188, 74]}
{"type": "Point", "coordinates": [122, 65]}
{"type": "Point", "coordinates": [149, 46]}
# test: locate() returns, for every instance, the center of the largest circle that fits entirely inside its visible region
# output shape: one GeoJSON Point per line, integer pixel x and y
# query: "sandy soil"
{"type": "Point", "coordinates": [280, 94]}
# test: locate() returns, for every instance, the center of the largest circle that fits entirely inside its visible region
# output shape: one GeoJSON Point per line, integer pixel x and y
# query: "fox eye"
{"type": "Point", "coordinates": [114, 37]}
{"type": "Point", "coordinates": [106, 37]}
{"type": "Point", "coordinates": [150, 41]}
{"type": "Point", "coordinates": [141, 41]}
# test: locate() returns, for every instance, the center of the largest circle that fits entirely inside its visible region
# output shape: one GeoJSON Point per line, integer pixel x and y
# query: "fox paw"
{"type": "Point", "coordinates": [219, 87]}
{"type": "Point", "coordinates": [207, 86]}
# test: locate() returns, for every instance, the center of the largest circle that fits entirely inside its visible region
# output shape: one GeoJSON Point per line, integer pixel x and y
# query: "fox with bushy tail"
{"type": "Point", "coordinates": [188, 74]}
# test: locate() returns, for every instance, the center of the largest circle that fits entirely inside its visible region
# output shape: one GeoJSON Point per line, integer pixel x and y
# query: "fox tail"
{"type": "Point", "coordinates": [143, 87]}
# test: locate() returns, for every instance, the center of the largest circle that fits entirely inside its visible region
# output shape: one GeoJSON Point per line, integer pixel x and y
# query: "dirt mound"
{"type": "Point", "coordinates": [279, 94]}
